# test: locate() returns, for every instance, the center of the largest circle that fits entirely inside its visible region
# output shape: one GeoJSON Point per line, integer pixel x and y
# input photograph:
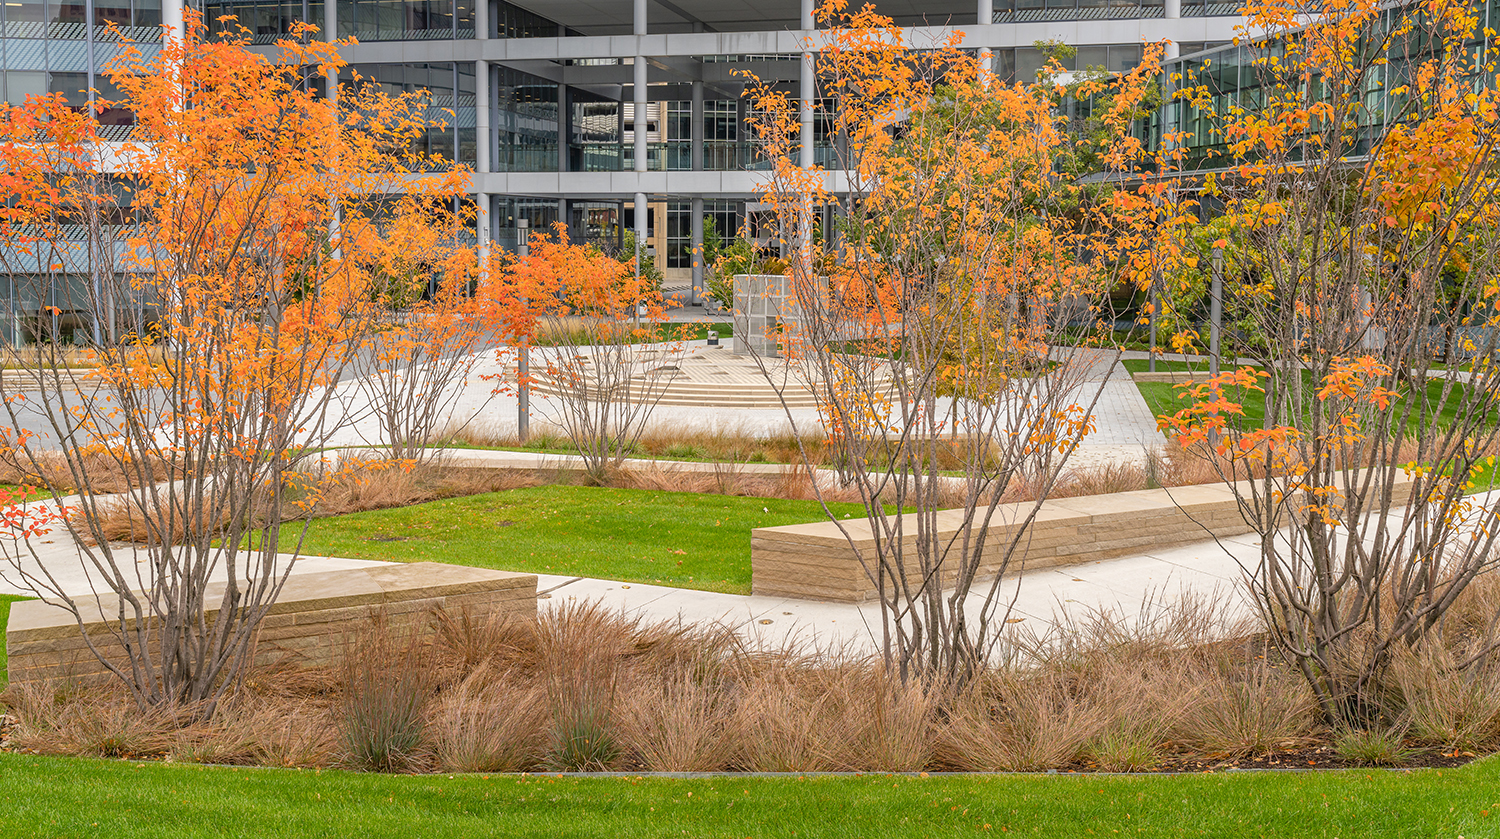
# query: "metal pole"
{"type": "Point", "coordinates": [523, 359]}
{"type": "Point", "coordinates": [641, 229]}
{"type": "Point", "coordinates": [700, 259]}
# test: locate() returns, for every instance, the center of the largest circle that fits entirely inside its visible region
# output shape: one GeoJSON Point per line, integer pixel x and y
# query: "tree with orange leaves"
{"type": "Point", "coordinates": [1359, 200]}
{"type": "Point", "coordinates": [603, 360]}
{"type": "Point", "coordinates": [225, 315]}
{"type": "Point", "coordinates": [415, 366]}
{"type": "Point", "coordinates": [924, 322]}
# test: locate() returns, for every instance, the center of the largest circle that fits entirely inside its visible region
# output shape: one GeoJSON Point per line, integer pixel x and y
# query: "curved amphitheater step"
{"type": "Point", "coordinates": [713, 376]}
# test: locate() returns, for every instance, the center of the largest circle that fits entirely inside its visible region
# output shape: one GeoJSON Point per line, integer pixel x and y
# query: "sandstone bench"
{"type": "Point", "coordinates": [314, 616]}
{"type": "Point", "coordinates": [816, 561]}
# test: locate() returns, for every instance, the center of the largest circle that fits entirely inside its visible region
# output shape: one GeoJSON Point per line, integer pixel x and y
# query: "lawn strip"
{"type": "Point", "coordinates": [679, 539]}
{"type": "Point", "coordinates": [70, 797]}
{"type": "Point", "coordinates": [5, 601]}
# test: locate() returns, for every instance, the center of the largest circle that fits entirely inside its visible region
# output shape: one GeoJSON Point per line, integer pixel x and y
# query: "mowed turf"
{"type": "Point", "coordinates": [69, 797]}
{"type": "Point", "coordinates": [680, 539]}
{"type": "Point", "coordinates": [5, 601]}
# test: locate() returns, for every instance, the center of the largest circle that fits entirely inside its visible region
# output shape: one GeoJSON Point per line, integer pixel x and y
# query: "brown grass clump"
{"type": "Point", "coordinates": [1007, 724]}
{"type": "Point", "coordinates": [257, 731]}
{"type": "Point", "coordinates": [1244, 707]}
{"type": "Point", "coordinates": [492, 721]}
{"type": "Point", "coordinates": [49, 470]}
{"type": "Point", "coordinates": [56, 719]}
{"type": "Point", "coordinates": [355, 487]}
{"type": "Point", "coordinates": [583, 688]}
{"type": "Point", "coordinates": [374, 485]}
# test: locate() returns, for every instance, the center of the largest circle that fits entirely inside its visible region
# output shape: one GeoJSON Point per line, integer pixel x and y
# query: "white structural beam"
{"type": "Point", "coordinates": [691, 44]}
{"type": "Point", "coordinates": [746, 185]}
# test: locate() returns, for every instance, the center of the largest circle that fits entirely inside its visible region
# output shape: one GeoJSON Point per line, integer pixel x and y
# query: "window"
{"type": "Point", "coordinates": [449, 87]}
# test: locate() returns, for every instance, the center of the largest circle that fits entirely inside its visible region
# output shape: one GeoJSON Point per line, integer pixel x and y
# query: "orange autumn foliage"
{"type": "Point", "coordinates": [251, 275]}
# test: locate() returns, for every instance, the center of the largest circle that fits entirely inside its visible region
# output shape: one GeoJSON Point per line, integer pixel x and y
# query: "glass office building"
{"type": "Point", "coordinates": [607, 115]}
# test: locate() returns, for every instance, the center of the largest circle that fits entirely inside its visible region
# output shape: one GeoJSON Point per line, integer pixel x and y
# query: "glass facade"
{"type": "Point", "coordinates": [524, 121]}
{"type": "Point", "coordinates": [450, 88]}
{"type": "Point", "coordinates": [570, 114]}
{"type": "Point", "coordinates": [264, 21]}
{"type": "Point", "coordinates": [512, 22]}
{"type": "Point", "coordinates": [727, 218]}
{"type": "Point", "coordinates": [405, 20]}
{"type": "Point", "coordinates": [1030, 11]}
{"type": "Point", "coordinates": [1022, 63]}
{"type": "Point", "coordinates": [1230, 78]}
{"type": "Point", "coordinates": [46, 50]}
{"type": "Point", "coordinates": [135, 20]}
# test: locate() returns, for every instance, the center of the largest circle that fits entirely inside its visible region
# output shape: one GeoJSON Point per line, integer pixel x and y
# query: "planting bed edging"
{"type": "Point", "coordinates": [315, 615]}
{"type": "Point", "coordinates": [817, 562]}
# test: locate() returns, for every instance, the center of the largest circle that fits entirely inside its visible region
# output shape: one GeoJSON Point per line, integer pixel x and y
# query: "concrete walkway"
{"type": "Point", "coordinates": [1127, 586]}
{"type": "Point", "coordinates": [1125, 429]}
{"type": "Point", "coordinates": [1130, 587]}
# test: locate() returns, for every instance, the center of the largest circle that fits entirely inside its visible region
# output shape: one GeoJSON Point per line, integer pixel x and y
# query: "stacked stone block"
{"type": "Point", "coordinates": [818, 562]}
{"type": "Point", "coordinates": [316, 615]}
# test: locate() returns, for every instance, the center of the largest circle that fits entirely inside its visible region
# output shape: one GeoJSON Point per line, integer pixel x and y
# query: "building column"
{"type": "Point", "coordinates": [696, 133]}
{"type": "Point", "coordinates": [700, 262]}
{"type": "Point", "coordinates": [171, 18]}
{"type": "Point", "coordinates": [564, 126]}
{"type": "Point", "coordinates": [809, 88]}
{"type": "Point", "coordinates": [330, 21]}
{"type": "Point", "coordinates": [638, 93]}
{"type": "Point", "coordinates": [641, 211]}
{"type": "Point", "coordinates": [481, 115]}
{"type": "Point", "coordinates": [482, 230]}
{"type": "Point", "coordinates": [1172, 9]}
{"type": "Point", "coordinates": [481, 20]}
{"type": "Point", "coordinates": [638, 96]}
{"type": "Point", "coordinates": [696, 210]}
{"type": "Point", "coordinates": [986, 16]}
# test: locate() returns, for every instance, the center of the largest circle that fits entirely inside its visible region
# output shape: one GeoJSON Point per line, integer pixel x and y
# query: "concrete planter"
{"type": "Point", "coordinates": [314, 618]}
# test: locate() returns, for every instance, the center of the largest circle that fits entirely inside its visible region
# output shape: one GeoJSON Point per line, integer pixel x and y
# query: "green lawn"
{"type": "Point", "coordinates": [1167, 398]}
{"type": "Point", "coordinates": [687, 540]}
{"type": "Point", "coordinates": [64, 797]}
{"type": "Point", "coordinates": [658, 333]}
{"type": "Point", "coordinates": [5, 601]}
{"type": "Point", "coordinates": [1143, 365]}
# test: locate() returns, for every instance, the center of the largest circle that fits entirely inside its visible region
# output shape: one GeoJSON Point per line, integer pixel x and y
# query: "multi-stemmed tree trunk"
{"type": "Point", "coordinates": [923, 319]}
{"type": "Point", "coordinates": [1359, 202]}
{"type": "Point", "coordinates": [414, 370]}
{"type": "Point", "coordinates": [228, 310]}
{"type": "Point", "coordinates": [603, 360]}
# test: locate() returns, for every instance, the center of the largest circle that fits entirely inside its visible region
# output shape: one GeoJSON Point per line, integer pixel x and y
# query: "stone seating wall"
{"type": "Point", "coordinates": [314, 618]}
{"type": "Point", "coordinates": [817, 562]}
